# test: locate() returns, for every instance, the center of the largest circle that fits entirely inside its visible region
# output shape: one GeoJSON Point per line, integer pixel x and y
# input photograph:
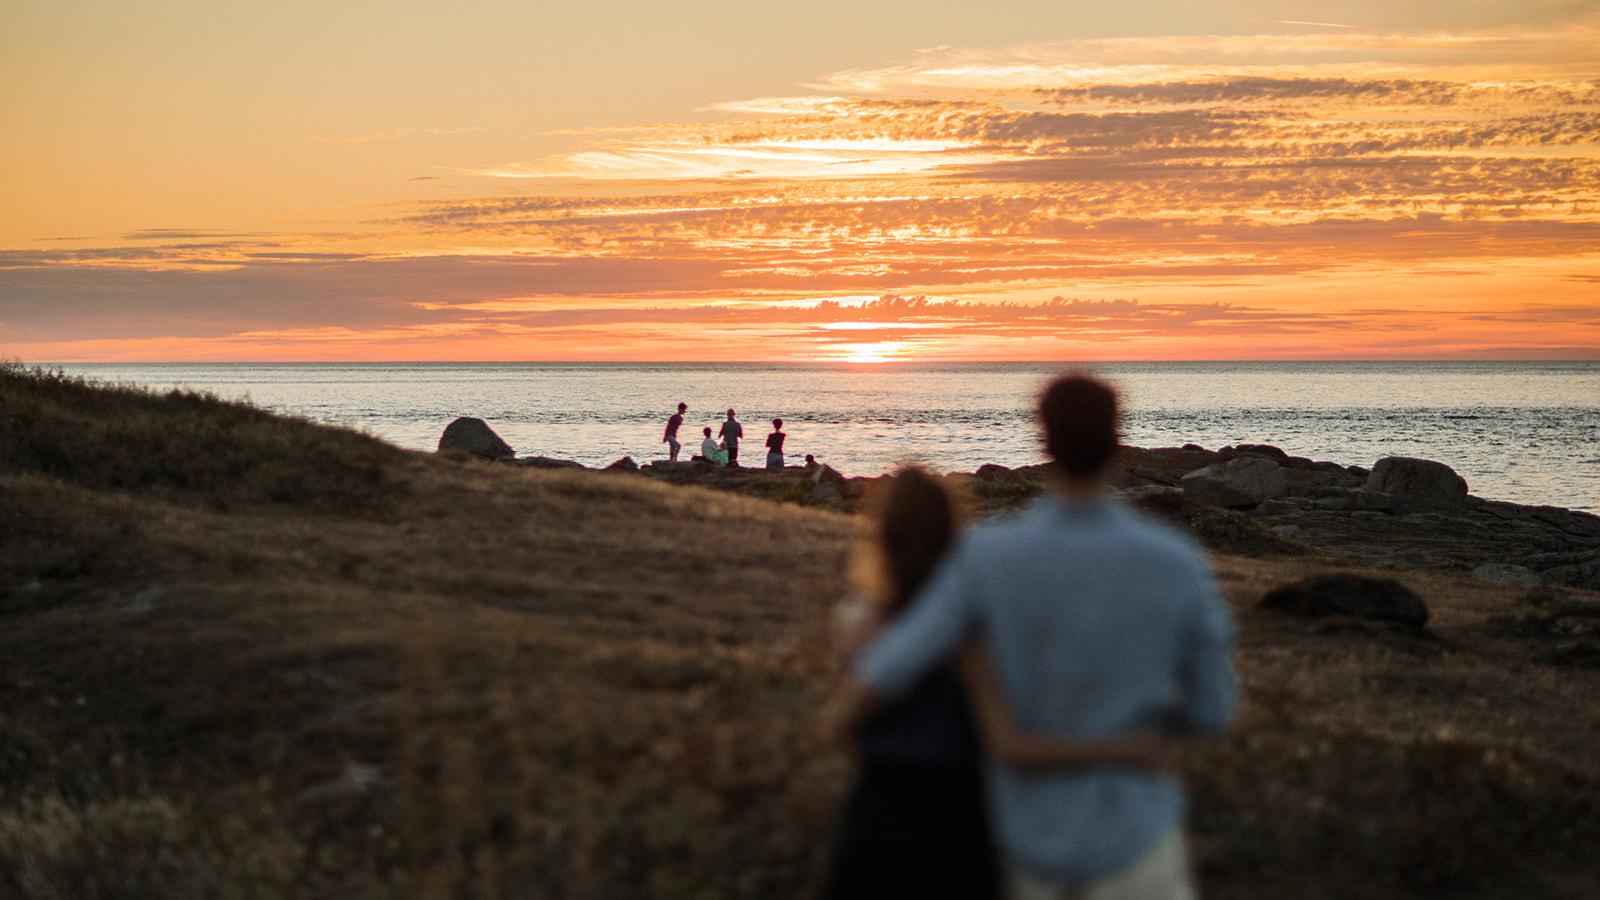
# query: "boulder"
{"type": "Point", "coordinates": [625, 464]}
{"type": "Point", "coordinates": [1505, 573]}
{"type": "Point", "coordinates": [1276, 454]}
{"type": "Point", "coordinates": [1284, 506]}
{"type": "Point", "coordinates": [1350, 596]}
{"type": "Point", "coordinates": [1240, 483]}
{"type": "Point", "coordinates": [826, 474]}
{"type": "Point", "coordinates": [999, 481]}
{"type": "Point", "coordinates": [825, 492]}
{"type": "Point", "coordinates": [476, 437]}
{"type": "Point", "coordinates": [1584, 573]}
{"type": "Point", "coordinates": [1167, 502]}
{"type": "Point", "coordinates": [1418, 483]}
{"type": "Point", "coordinates": [547, 462]}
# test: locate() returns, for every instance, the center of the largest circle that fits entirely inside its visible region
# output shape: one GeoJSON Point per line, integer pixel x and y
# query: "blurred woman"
{"type": "Point", "coordinates": [914, 824]}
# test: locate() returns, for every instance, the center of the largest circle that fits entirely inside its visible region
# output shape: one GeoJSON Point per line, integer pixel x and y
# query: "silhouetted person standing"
{"type": "Point", "coordinates": [731, 432]}
{"type": "Point", "coordinates": [775, 446]}
{"type": "Point", "coordinates": [670, 437]}
{"type": "Point", "coordinates": [1100, 623]}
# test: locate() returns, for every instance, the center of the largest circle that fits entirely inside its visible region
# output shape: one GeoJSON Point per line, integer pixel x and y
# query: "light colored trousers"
{"type": "Point", "coordinates": [1162, 874]}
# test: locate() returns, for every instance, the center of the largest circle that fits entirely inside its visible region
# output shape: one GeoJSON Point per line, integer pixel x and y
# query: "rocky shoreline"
{"type": "Point", "coordinates": [1247, 499]}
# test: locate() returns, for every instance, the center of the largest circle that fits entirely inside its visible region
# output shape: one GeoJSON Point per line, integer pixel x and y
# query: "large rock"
{"type": "Point", "coordinates": [822, 473]}
{"type": "Point", "coordinates": [1505, 573]}
{"type": "Point", "coordinates": [825, 492]}
{"type": "Point", "coordinates": [1240, 483]}
{"type": "Point", "coordinates": [476, 437]}
{"type": "Point", "coordinates": [1584, 573]}
{"type": "Point", "coordinates": [1350, 596]}
{"type": "Point", "coordinates": [1276, 454]}
{"type": "Point", "coordinates": [1418, 483]}
{"type": "Point", "coordinates": [547, 462]}
{"type": "Point", "coordinates": [625, 464]}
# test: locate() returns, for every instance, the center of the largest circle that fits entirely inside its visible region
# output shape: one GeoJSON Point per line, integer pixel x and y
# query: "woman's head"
{"type": "Point", "coordinates": [777, 424]}
{"type": "Point", "coordinates": [911, 526]}
{"type": "Point", "coordinates": [706, 431]}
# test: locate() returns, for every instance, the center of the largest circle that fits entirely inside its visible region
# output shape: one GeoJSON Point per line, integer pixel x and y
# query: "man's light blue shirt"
{"type": "Point", "coordinates": [1099, 621]}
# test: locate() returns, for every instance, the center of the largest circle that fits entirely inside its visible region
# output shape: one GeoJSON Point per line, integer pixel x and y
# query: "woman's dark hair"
{"type": "Point", "coordinates": [1079, 415]}
{"type": "Point", "coordinates": [913, 523]}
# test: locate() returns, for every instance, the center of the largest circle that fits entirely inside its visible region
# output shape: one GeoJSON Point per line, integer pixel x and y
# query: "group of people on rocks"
{"type": "Point", "coordinates": [724, 448]}
{"type": "Point", "coordinates": [1018, 691]}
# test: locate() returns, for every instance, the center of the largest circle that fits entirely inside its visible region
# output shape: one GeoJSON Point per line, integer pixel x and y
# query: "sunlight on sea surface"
{"type": "Point", "coordinates": [1522, 431]}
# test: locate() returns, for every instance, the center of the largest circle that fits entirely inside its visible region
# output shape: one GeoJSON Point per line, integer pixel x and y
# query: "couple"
{"type": "Point", "coordinates": [733, 431]}
{"type": "Point", "coordinates": [1075, 643]}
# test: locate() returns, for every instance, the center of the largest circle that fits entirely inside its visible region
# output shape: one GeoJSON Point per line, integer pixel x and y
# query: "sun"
{"type": "Point", "coordinates": [868, 352]}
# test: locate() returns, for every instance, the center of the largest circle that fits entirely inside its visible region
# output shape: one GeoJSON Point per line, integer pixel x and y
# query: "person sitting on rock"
{"type": "Point", "coordinates": [710, 451]}
{"type": "Point", "coordinates": [775, 446]}
{"type": "Point", "coordinates": [670, 437]}
{"type": "Point", "coordinates": [731, 432]}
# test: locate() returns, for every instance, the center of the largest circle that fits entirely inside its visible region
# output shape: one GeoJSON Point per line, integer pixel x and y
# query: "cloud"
{"type": "Point", "coordinates": [1259, 89]}
{"type": "Point", "coordinates": [1186, 168]}
{"type": "Point", "coordinates": [953, 71]}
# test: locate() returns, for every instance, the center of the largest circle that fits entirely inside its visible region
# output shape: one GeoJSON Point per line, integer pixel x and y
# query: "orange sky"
{"type": "Point", "coordinates": [923, 181]}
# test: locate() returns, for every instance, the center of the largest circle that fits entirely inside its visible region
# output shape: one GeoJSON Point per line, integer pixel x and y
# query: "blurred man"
{"type": "Point", "coordinates": [1100, 623]}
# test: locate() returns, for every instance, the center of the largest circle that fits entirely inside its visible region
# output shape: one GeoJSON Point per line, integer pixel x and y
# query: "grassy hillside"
{"type": "Point", "coordinates": [242, 655]}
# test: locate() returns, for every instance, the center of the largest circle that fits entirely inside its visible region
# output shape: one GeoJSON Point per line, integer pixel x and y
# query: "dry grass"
{"type": "Point", "coordinates": [243, 655]}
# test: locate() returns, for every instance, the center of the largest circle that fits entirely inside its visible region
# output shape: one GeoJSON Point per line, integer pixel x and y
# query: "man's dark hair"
{"type": "Point", "coordinates": [682, 407]}
{"type": "Point", "coordinates": [1079, 415]}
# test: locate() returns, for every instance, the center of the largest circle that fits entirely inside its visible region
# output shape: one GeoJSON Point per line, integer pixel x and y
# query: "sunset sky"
{"type": "Point", "coordinates": [706, 180]}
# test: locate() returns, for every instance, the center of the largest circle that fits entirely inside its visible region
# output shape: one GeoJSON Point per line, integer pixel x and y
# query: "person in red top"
{"type": "Point", "coordinates": [670, 437]}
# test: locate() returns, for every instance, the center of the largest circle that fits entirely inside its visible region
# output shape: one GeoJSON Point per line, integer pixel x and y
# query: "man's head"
{"type": "Point", "coordinates": [1080, 418]}
{"type": "Point", "coordinates": [777, 424]}
{"type": "Point", "coordinates": [683, 407]}
{"type": "Point", "coordinates": [708, 431]}
{"type": "Point", "coordinates": [730, 412]}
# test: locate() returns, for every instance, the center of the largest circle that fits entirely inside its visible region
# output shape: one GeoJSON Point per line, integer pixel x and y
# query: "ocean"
{"type": "Point", "coordinates": [1522, 431]}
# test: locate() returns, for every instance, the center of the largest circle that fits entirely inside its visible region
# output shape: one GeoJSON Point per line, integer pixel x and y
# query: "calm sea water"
{"type": "Point", "coordinates": [1528, 432]}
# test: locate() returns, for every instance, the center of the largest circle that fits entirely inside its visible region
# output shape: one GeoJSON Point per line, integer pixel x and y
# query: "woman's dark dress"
{"type": "Point", "coordinates": [914, 825]}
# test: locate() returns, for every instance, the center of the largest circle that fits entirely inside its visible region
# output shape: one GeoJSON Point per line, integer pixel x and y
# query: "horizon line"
{"type": "Point", "coordinates": [890, 363]}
